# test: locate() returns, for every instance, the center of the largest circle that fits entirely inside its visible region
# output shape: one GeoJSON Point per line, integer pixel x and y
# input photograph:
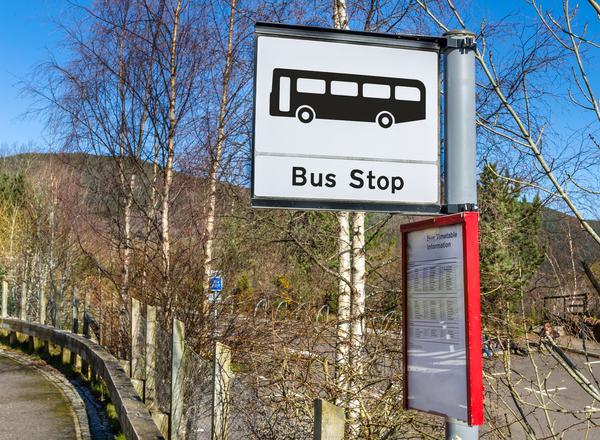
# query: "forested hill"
{"type": "Point", "coordinates": [561, 229]}
{"type": "Point", "coordinates": [568, 246]}
{"type": "Point", "coordinates": [566, 240]}
{"type": "Point", "coordinates": [84, 165]}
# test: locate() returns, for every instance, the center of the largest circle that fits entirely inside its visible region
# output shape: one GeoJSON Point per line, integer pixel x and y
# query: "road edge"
{"type": "Point", "coordinates": [56, 378]}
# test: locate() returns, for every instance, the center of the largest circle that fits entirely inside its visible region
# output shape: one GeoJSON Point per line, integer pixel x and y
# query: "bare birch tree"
{"type": "Point", "coordinates": [517, 127]}
{"type": "Point", "coordinates": [344, 335]}
{"type": "Point", "coordinates": [170, 154]}
{"type": "Point", "coordinates": [216, 156]}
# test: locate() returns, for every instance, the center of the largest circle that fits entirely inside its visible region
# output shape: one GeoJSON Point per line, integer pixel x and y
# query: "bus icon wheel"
{"type": "Point", "coordinates": [385, 119]}
{"type": "Point", "coordinates": [305, 114]}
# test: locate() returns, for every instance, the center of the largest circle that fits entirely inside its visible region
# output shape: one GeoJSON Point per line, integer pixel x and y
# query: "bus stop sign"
{"type": "Point", "coordinates": [345, 120]}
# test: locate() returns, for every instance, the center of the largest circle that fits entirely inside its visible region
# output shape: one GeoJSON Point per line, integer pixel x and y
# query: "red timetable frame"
{"type": "Point", "coordinates": [472, 310]}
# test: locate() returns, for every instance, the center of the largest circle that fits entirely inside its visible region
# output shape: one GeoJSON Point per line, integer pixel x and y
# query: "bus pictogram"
{"type": "Point", "coordinates": [309, 95]}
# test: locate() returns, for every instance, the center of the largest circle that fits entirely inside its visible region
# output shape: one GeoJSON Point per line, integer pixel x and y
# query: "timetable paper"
{"type": "Point", "coordinates": [436, 321]}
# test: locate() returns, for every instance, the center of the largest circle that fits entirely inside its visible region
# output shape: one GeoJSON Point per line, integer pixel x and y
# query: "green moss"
{"type": "Point", "coordinates": [113, 420]}
{"type": "Point", "coordinates": [237, 367]}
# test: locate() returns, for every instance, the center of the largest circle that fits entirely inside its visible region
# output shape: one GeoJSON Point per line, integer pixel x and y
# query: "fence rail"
{"type": "Point", "coordinates": [136, 421]}
{"type": "Point", "coordinates": [165, 389]}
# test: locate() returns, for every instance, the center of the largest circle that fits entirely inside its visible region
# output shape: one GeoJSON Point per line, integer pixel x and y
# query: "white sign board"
{"type": "Point", "coordinates": [436, 352]}
{"type": "Point", "coordinates": [214, 296]}
{"type": "Point", "coordinates": [345, 124]}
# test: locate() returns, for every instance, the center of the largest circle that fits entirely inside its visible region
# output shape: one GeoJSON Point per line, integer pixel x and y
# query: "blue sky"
{"type": "Point", "coordinates": [29, 35]}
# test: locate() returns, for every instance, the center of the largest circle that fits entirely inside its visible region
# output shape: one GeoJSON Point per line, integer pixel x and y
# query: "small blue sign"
{"type": "Point", "coordinates": [215, 284]}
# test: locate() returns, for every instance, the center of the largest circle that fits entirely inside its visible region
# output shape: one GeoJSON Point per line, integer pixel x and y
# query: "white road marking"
{"type": "Point", "coordinates": [592, 362]}
{"type": "Point", "coordinates": [499, 373]}
{"type": "Point", "coordinates": [545, 393]}
{"type": "Point", "coordinates": [304, 353]}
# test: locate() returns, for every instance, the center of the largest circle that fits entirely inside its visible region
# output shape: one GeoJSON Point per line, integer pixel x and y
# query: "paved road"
{"type": "Point", "coordinates": [540, 382]}
{"type": "Point", "coordinates": [31, 407]}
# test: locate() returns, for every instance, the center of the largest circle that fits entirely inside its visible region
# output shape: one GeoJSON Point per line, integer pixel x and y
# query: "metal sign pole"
{"type": "Point", "coordinates": [215, 286]}
{"type": "Point", "coordinates": [460, 152]}
{"type": "Point", "coordinates": [459, 127]}
{"type": "Point", "coordinates": [458, 430]}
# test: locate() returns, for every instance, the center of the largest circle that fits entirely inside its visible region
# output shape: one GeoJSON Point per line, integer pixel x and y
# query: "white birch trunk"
{"type": "Point", "coordinates": [168, 171]}
{"type": "Point", "coordinates": [151, 216]}
{"type": "Point", "coordinates": [343, 345]}
{"type": "Point", "coordinates": [52, 226]}
{"type": "Point", "coordinates": [357, 320]}
{"type": "Point", "coordinates": [152, 202]}
{"type": "Point", "coordinates": [127, 245]}
{"type": "Point", "coordinates": [357, 300]}
{"type": "Point", "coordinates": [216, 162]}
{"type": "Point", "coordinates": [126, 192]}
{"type": "Point", "coordinates": [342, 355]}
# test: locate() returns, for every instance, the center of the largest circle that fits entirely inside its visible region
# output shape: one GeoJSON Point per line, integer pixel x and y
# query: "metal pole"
{"type": "Point", "coordinates": [457, 430]}
{"type": "Point", "coordinates": [459, 127]}
{"type": "Point", "coordinates": [214, 313]}
{"type": "Point", "coordinates": [460, 152]}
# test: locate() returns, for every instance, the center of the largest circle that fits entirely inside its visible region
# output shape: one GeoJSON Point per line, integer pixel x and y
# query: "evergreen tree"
{"type": "Point", "coordinates": [510, 246]}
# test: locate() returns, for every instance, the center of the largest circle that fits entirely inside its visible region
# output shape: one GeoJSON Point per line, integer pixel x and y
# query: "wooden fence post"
{"type": "Point", "coordinates": [65, 355]}
{"type": "Point", "coordinates": [12, 339]}
{"type": "Point", "coordinates": [136, 367]}
{"type": "Point", "coordinates": [222, 377]}
{"type": "Point", "coordinates": [329, 421]}
{"type": "Point", "coordinates": [150, 384]}
{"type": "Point", "coordinates": [75, 358]}
{"type": "Point", "coordinates": [42, 306]}
{"type": "Point", "coordinates": [38, 343]}
{"type": "Point", "coordinates": [75, 314]}
{"type": "Point", "coordinates": [23, 311]}
{"type": "Point", "coordinates": [4, 299]}
{"type": "Point", "coordinates": [86, 371]}
{"type": "Point", "coordinates": [177, 425]}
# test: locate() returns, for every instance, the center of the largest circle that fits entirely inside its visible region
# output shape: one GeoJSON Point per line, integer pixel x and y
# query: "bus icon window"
{"type": "Point", "coordinates": [308, 95]}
